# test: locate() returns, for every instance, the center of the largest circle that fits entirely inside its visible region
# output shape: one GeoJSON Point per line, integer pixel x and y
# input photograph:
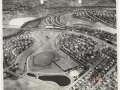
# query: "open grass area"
{"type": "Point", "coordinates": [7, 32]}
{"type": "Point", "coordinates": [44, 59]}
{"type": "Point", "coordinates": [62, 54]}
{"type": "Point", "coordinates": [66, 64]}
{"type": "Point", "coordinates": [43, 63]}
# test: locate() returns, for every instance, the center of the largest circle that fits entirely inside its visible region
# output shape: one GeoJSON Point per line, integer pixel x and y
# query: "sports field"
{"type": "Point", "coordinates": [66, 64]}
{"type": "Point", "coordinates": [43, 63]}
{"type": "Point", "coordinates": [44, 59]}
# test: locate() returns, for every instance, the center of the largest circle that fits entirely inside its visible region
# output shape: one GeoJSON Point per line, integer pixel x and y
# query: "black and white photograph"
{"type": "Point", "coordinates": [59, 45]}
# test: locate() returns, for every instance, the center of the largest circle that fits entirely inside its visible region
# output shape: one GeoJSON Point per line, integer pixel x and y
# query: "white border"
{"type": "Point", "coordinates": [118, 42]}
{"type": "Point", "coordinates": [1, 42]}
{"type": "Point", "coordinates": [1, 48]}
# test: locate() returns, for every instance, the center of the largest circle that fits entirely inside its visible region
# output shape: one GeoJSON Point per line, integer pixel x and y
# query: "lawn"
{"type": "Point", "coordinates": [7, 32]}
{"type": "Point", "coordinates": [44, 59]}
{"type": "Point", "coordinates": [43, 63]}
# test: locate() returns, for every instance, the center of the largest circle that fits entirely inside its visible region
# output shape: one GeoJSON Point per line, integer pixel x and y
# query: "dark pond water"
{"type": "Point", "coordinates": [30, 74]}
{"type": "Point", "coordinates": [60, 80]}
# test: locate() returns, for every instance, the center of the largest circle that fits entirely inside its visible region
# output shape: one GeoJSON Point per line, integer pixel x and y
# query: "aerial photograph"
{"type": "Point", "coordinates": [59, 45]}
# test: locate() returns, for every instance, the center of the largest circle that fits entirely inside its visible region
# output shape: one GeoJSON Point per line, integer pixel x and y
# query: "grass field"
{"type": "Point", "coordinates": [44, 59]}
{"type": "Point", "coordinates": [65, 64]}
{"type": "Point", "coordinates": [44, 63]}
{"type": "Point", "coordinates": [7, 32]}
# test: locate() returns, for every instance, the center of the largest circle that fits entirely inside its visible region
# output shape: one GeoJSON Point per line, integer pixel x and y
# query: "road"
{"type": "Point", "coordinates": [89, 7]}
{"type": "Point", "coordinates": [21, 59]}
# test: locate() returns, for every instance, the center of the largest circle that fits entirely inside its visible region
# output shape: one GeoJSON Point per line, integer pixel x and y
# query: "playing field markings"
{"type": "Point", "coordinates": [67, 64]}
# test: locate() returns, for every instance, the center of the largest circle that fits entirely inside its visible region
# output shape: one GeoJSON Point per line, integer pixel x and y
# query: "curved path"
{"type": "Point", "coordinates": [21, 59]}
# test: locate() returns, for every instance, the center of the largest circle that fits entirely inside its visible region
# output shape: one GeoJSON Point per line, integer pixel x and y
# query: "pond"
{"type": "Point", "coordinates": [30, 74]}
{"type": "Point", "coordinates": [59, 79]}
